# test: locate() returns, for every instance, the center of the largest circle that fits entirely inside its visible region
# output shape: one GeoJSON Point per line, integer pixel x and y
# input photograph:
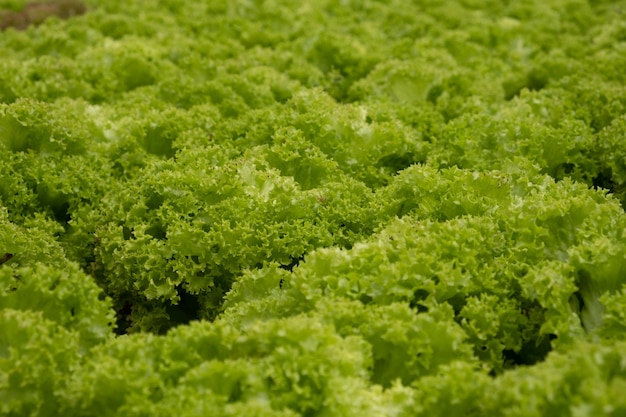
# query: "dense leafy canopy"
{"type": "Point", "coordinates": [313, 208]}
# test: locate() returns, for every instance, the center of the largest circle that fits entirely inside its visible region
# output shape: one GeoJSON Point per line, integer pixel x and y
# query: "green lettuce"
{"type": "Point", "coordinates": [291, 208]}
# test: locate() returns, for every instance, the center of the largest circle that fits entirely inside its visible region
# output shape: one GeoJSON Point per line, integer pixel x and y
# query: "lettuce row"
{"type": "Point", "coordinates": [290, 367]}
{"type": "Point", "coordinates": [318, 208]}
{"type": "Point", "coordinates": [515, 259]}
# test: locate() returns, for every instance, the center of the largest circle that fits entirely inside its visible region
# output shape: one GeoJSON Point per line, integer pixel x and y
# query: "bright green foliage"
{"type": "Point", "coordinates": [588, 382]}
{"type": "Point", "coordinates": [67, 297]}
{"type": "Point", "coordinates": [512, 267]}
{"type": "Point", "coordinates": [284, 366]}
{"type": "Point", "coordinates": [314, 208]}
{"type": "Point", "coordinates": [36, 355]}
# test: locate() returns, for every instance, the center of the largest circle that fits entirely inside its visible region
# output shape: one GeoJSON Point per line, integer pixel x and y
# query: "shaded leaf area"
{"type": "Point", "coordinates": [6, 257]}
